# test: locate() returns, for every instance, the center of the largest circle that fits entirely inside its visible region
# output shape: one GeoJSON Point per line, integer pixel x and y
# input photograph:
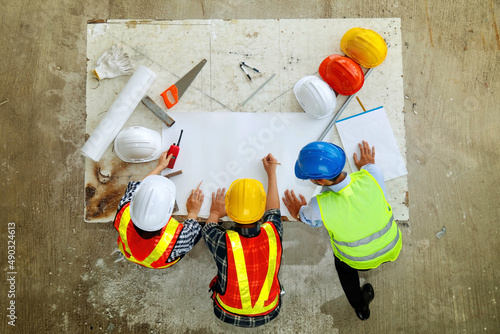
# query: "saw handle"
{"type": "Point", "coordinates": [170, 96]}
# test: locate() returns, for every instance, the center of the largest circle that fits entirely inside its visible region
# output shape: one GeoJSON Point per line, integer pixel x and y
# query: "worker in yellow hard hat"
{"type": "Point", "coordinates": [246, 290]}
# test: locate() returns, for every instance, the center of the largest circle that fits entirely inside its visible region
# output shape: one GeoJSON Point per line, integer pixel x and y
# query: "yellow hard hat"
{"type": "Point", "coordinates": [364, 46]}
{"type": "Point", "coordinates": [245, 201]}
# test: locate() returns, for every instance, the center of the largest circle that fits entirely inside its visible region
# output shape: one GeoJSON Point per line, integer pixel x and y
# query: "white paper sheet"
{"type": "Point", "coordinates": [220, 147]}
{"type": "Point", "coordinates": [372, 126]}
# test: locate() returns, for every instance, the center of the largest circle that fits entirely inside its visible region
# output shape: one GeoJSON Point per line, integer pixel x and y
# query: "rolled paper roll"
{"type": "Point", "coordinates": [119, 112]}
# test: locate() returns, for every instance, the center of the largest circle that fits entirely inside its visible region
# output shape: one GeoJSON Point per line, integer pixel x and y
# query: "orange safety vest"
{"type": "Point", "coordinates": [253, 287]}
{"type": "Point", "coordinates": [162, 249]}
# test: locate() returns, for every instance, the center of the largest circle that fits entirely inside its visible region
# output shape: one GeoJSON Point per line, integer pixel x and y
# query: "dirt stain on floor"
{"type": "Point", "coordinates": [102, 197]}
{"type": "Point", "coordinates": [131, 24]}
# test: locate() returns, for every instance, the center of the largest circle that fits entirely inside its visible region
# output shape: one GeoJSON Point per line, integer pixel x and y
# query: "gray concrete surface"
{"type": "Point", "coordinates": [66, 279]}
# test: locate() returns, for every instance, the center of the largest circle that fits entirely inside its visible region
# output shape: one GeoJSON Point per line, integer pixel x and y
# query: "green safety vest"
{"type": "Point", "coordinates": [360, 223]}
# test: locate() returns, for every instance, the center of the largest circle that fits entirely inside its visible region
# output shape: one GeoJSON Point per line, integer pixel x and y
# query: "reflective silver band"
{"type": "Point", "coordinates": [369, 238]}
{"type": "Point", "coordinates": [381, 252]}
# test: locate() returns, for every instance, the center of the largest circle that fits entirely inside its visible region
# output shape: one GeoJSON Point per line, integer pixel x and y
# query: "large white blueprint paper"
{"type": "Point", "coordinates": [220, 147]}
{"type": "Point", "coordinates": [372, 126]}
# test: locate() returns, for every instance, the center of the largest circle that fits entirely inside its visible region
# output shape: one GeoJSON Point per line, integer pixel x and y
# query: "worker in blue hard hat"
{"type": "Point", "coordinates": [354, 210]}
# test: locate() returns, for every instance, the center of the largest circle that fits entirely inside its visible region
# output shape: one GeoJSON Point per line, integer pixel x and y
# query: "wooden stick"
{"type": "Point", "coordinates": [361, 104]}
{"type": "Point", "coordinates": [168, 176]}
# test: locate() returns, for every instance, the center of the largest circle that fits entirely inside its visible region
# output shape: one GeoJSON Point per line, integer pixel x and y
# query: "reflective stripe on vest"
{"type": "Point", "coordinates": [369, 238]}
{"type": "Point", "coordinates": [168, 234]}
{"type": "Point", "coordinates": [372, 256]}
{"type": "Point", "coordinates": [241, 273]}
{"type": "Point", "coordinates": [358, 209]}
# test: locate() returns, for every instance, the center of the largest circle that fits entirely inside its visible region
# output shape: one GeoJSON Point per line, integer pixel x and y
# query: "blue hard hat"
{"type": "Point", "coordinates": [320, 160]}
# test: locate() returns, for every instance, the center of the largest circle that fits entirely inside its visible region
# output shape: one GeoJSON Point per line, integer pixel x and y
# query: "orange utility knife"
{"type": "Point", "coordinates": [172, 95]}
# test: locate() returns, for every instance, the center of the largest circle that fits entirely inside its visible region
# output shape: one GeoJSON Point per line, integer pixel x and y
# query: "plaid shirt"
{"type": "Point", "coordinates": [215, 238]}
{"type": "Point", "coordinates": [190, 233]}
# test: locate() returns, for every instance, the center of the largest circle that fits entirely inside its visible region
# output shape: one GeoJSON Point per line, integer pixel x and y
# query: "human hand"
{"type": "Point", "coordinates": [270, 163]}
{"type": "Point", "coordinates": [218, 207]}
{"type": "Point", "coordinates": [367, 155]}
{"type": "Point", "coordinates": [194, 203]}
{"type": "Point", "coordinates": [293, 204]}
{"type": "Point", "coordinates": [162, 164]}
{"type": "Point", "coordinates": [164, 160]}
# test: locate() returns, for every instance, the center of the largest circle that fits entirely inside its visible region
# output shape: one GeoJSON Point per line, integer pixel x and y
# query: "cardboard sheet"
{"type": "Point", "coordinates": [220, 147]}
{"type": "Point", "coordinates": [372, 126]}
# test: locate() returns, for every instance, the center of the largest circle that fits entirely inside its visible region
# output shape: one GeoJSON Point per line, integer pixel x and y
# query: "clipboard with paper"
{"type": "Point", "coordinates": [372, 126]}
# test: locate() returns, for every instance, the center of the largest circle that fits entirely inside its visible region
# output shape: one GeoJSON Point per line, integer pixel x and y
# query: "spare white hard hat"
{"type": "Point", "coordinates": [138, 144]}
{"type": "Point", "coordinates": [315, 96]}
{"type": "Point", "coordinates": [152, 203]}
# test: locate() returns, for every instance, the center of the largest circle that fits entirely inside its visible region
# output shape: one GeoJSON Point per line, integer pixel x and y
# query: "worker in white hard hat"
{"type": "Point", "coordinates": [148, 234]}
{"type": "Point", "coordinates": [246, 290]}
{"type": "Point", "coordinates": [355, 212]}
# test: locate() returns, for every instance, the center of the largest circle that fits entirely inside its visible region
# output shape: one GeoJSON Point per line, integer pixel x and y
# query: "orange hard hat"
{"type": "Point", "coordinates": [343, 74]}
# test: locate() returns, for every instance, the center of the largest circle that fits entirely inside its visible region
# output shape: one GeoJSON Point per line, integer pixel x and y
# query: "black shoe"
{"type": "Point", "coordinates": [368, 295]}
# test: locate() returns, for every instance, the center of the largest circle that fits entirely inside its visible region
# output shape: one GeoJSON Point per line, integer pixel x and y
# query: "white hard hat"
{"type": "Point", "coordinates": [315, 96]}
{"type": "Point", "coordinates": [152, 203]}
{"type": "Point", "coordinates": [138, 144]}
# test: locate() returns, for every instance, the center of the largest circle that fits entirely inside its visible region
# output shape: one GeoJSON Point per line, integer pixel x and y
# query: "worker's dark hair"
{"type": "Point", "coordinates": [147, 234]}
{"type": "Point", "coordinates": [335, 178]}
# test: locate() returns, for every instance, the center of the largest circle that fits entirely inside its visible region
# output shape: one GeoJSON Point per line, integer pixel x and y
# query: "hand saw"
{"type": "Point", "coordinates": [172, 95]}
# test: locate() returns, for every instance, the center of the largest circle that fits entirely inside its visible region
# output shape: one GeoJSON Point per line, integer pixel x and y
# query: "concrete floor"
{"type": "Point", "coordinates": [67, 281]}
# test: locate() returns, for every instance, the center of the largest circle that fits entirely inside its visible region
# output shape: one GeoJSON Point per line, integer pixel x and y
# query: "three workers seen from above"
{"type": "Point", "coordinates": [246, 290]}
